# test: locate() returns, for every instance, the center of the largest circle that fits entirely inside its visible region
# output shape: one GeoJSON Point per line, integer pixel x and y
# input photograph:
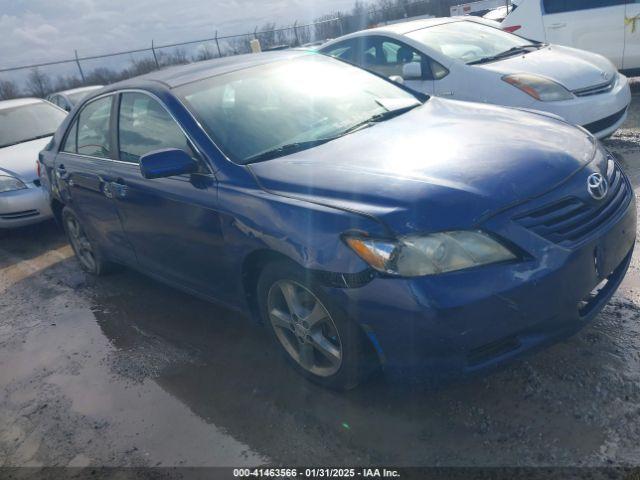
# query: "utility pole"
{"type": "Point", "coordinates": [155, 57]}
{"type": "Point", "coordinates": [218, 45]}
{"type": "Point", "coordinates": [79, 67]}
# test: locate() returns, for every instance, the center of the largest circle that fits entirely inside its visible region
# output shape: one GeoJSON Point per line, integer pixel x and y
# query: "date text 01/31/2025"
{"type": "Point", "coordinates": [316, 473]}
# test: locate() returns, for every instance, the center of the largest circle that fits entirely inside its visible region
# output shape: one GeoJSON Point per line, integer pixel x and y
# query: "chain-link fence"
{"type": "Point", "coordinates": [77, 70]}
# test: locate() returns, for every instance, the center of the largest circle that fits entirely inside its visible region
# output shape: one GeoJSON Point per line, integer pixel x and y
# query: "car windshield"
{"type": "Point", "coordinates": [470, 42]}
{"type": "Point", "coordinates": [28, 122]}
{"type": "Point", "coordinates": [271, 110]}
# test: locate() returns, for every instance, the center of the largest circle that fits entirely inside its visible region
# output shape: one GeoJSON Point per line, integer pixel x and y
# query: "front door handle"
{"type": "Point", "coordinates": [119, 188]}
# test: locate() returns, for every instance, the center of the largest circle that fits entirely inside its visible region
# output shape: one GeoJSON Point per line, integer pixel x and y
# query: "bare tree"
{"type": "Point", "coordinates": [103, 76]}
{"type": "Point", "coordinates": [239, 45]}
{"type": "Point", "coordinates": [65, 83]}
{"type": "Point", "coordinates": [8, 90]}
{"type": "Point", "coordinates": [38, 84]}
{"type": "Point", "coordinates": [328, 26]}
{"type": "Point", "coordinates": [267, 35]}
{"type": "Point", "coordinates": [178, 57]}
{"type": "Point", "coordinates": [204, 53]}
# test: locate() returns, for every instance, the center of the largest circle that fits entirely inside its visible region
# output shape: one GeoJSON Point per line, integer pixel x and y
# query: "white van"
{"type": "Point", "coordinates": [608, 27]}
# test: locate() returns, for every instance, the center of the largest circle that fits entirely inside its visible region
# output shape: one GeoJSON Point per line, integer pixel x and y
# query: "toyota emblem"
{"type": "Point", "coordinates": [597, 186]}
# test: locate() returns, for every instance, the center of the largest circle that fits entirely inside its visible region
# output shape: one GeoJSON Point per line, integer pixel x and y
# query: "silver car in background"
{"type": "Point", "coordinates": [67, 99]}
{"type": "Point", "coordinates": [26, 127]}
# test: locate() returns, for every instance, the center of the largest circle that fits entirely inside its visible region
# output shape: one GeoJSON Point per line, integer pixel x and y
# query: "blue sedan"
{"type": "Point", "coordinates": [364, 224]}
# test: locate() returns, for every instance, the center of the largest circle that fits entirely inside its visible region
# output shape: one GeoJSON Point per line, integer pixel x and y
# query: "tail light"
{"type": "Point", "coordinates": [513, 28]}
{"type": "Point", "coordinates": [38, 167]}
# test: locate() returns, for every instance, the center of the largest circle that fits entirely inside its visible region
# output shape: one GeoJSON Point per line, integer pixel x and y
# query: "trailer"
{"type": "Point", "coordinates": [478, 8]}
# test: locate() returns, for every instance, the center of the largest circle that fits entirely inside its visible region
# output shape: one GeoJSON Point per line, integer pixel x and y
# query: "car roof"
{"type": "Point", "coordinates": [78, 90]}
{"type": "Point", "coordinates": [403, 28]}
{"type": "Point", "coordinates": [183, 74]}
{"type": "Point", "coordinates": [19, 102]}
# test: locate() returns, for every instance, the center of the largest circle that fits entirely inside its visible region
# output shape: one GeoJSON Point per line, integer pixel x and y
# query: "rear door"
{"type": "Point", "coordinates": [82, 171]}
{"type": "Point", "coordinates": [632, 36]}
{"type": "Point", "coordinates": [172, 222]}
{"type": "Point", "coordinates": [593, 25]}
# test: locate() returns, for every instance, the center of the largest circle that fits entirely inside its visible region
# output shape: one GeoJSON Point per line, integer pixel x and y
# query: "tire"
{"type": "Point", "coordinates": [89, 257]}
{"type": "Point", "coordinates": [341, 355]}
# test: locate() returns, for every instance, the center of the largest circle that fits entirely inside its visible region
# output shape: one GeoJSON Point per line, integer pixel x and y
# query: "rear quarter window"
{"type": "Point", "coordinates": [561, 6]}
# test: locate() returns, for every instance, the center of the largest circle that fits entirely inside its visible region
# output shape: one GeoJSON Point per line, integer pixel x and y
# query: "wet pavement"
{"type": "Point", "coordinates": [124, 371]}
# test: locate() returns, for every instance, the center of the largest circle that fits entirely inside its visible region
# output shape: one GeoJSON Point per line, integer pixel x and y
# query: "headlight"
{"type": "Point", "coordinates": [540, 88]}
{"type": "Point", "coordinates": [9, 184]}
{"type": "Point", "coordinates": [420, 255]}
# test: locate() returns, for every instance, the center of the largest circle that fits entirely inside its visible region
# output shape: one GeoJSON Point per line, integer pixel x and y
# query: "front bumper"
{"type": "Point", "coordinates": [473, 320]}
{"type": "Point", "coordinates": [24, 207]}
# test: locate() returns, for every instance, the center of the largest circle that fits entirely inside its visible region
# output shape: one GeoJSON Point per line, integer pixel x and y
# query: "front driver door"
{"type": "Point", "coordinates": [172, 222]}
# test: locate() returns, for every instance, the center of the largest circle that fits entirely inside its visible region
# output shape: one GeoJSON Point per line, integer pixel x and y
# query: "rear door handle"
{"type": "Point", "coordinates": [557, 26]}
{"type": "Point", "coordinates": [61, 172]}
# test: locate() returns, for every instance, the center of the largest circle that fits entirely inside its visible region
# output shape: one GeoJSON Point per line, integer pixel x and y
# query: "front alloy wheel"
{"type": "Point", "coordinates": [316, 336]}
{"type": "Point", "coordinates": [305, 328]}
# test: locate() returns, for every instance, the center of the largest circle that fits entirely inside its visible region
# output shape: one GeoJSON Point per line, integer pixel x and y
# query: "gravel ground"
{"type": "Point", "coordinates": [123, 371]}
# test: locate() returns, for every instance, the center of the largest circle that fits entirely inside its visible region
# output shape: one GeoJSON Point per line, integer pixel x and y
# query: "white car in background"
{"type": "Point", "coordinates": [498, 14]}
{"type": "Point", "coordinates": [26, 127]}
{"type": "Point", "coordinates": [608, 27]}
{"type": "Point", "coordinates": [465, 58]}
{"type": "Point", "coordinates": [67, 99]}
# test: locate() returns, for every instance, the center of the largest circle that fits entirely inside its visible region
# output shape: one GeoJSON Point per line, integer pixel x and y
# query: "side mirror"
{"type": "Point", "coordinates": [397, 79]}
{"type": "Point", "coordinates": [412, 71]}
{"type": "Point", "coordinates": [167, 163]}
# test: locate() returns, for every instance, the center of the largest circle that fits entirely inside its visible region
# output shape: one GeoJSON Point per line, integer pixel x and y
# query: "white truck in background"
{"type": "Point", "coordinates": [608, 27]}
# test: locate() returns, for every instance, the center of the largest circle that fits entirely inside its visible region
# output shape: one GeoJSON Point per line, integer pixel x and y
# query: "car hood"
{"type": "Point", "coordinates": [20, 160]}
{"type": "Point", "coordinates": [580, 69]}
{"type": "Point", "coordinates": [444, 165]}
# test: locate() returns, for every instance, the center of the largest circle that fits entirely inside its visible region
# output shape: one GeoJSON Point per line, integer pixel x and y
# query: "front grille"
{"type": "Point", "coordinates": [18, 215]}
{"type": "Point", "coordinates": [569, 221]}
{"type": "Point", "coordinates": [595, 90]}
{"type": "Point", "coordinates": [605, 123]}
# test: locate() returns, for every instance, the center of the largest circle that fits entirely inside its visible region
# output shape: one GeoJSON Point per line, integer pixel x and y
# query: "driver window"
{"type": "Point", "coordinates": [145, 126]}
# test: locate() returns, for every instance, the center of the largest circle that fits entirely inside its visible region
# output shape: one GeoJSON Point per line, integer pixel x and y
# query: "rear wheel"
{"type": "Point", "coordinates": [88, 255]}
{"type": "Point", "coordinates": [317, 338]}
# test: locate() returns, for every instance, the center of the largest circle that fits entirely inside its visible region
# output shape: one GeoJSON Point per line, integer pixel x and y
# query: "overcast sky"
{"type": "Point", "coordinates": [34, 31]}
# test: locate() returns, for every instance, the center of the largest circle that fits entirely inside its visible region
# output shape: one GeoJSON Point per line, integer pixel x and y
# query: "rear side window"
{"type": "Point", "coordinates": [71, 142]}
{"type": "Point", "coordinates": [145, 126]}
{"type": "Point", "coordinates": [560, 6]}
{"type": "Point", "coordinates": [93, 129]}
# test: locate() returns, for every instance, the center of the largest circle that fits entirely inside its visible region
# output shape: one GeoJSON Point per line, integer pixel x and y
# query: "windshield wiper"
{"type": "Point", "coordinates": [287, 149]}
{"type": "Point", "coordinates": [507, 53]}
{"type": "Point", "coordinates": [27, 140]}
{"type": "Point", "coordinates": [291, 148]}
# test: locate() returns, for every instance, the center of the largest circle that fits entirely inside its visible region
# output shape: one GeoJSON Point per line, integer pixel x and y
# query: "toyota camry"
{"type": "Point", "coordinates": [363, 224]}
